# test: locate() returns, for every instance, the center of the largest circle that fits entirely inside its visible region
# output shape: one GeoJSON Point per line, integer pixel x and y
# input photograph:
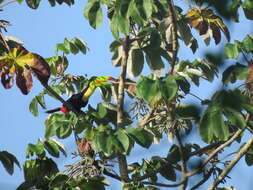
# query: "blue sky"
{"type": "Point", "coordinates": [40, 30]}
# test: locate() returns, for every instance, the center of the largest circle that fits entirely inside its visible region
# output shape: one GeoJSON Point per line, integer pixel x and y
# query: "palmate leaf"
{"type": "Point", "coordinates": [154, 91]}
{"type": "Point", "coordinates": [74, 46]}
{"type": "Point", "coordinates": [226, 106]}
{"type": "Point", "coordinates": [212, 125]}
{"type": "Point", "coordinates": [204, 20]}
{"type": "Point", "coordinates": [22, 63]}
{"type": "Point", "coordinates": [199, 68]}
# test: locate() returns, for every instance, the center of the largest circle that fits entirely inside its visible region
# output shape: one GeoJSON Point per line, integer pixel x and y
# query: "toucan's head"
{"type": "Point", "coordinates": [102, 81]}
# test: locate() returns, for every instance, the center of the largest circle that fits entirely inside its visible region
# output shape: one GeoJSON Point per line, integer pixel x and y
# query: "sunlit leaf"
{"type": "Point", "coordinates": [231, 51]}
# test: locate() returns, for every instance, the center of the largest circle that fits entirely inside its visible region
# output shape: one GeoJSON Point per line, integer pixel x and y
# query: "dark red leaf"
{"type": "Point", "coordinates": [216, 33]}
{"type": "Point", "coordinates": [40, 68]}
{"type": "Point", "coordinates": [24, 81]}
{"type": "Point", "coordinates": [202, 27]}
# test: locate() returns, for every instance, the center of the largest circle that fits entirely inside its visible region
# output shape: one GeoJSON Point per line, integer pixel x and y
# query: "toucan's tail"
{"type": "Point", "coordinates": [53, 110]}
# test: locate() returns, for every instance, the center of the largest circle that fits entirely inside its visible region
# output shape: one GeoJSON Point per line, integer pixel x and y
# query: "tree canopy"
{"type": "Point", "coordinates": [139, 109]}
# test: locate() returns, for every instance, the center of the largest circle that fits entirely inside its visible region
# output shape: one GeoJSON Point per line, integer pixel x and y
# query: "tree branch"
{"type": "Point", "coordinates": [7, 3]}
{"type": "Point", "coordinates": [206, 148]}
{"type": "Point", "coordinates": [164, 184]}
{"type": "Point", "coordinates": [112, 175]}
{"type": "Point", "coordinates": [172, 17]}
{"type": "Point", "coordinates": [222, 146]}
{"type": "Point", "coordinates": [237, 157]}
{"type": "Point", "coordinates": [120, 107]}
{"type": "Point", "coordinates": [203, 180]}
{"type": "Point", "coordinates": [182, 157]}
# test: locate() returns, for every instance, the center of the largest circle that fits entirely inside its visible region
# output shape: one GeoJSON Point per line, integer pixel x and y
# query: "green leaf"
{"type": "Point", "coordinates": [59, 124]}
{"type": "Point", "coordinates": [140, 136]}
{"type": "Point", "coordinates": [58, 180]}
{"type": "Point", "coordinates": [95, 15]}
{"type": "Point", "coordinates": [234, 72]}
{"type": "Point", "coordinates": [187, 111]}
{"type": "Point", "coordinates": [135, 62]}
{"type": "Point", "coordinates": [247, 44]}
{"type": "Point", "coordinates": [123, 139]}
{"type": "Point", "coordinates": [148, 90]}
{"type": "Point", "coordinates": [92, 184]}
{"type": "Point", "coordinates": [52, 148]}
{"type": "Point", "coordinates": [33, 107]}
{"type": "Point", "coordinates": [100, 141]}
{"type": "Point", "coordinates": [60, 146]}
{"type": "Point", "coordinates": [63, 131]}
{"type": "Point", "coordinates": [235, 117]}
{"type": "Point", "coordinates": [63, 48]}
{"type": "Point", "coordinates": [234, 6]}
{"type": "Point", "coordinates": [231, 51]}
{"type": "Point", "coordinates": [155, 62]}
{"type": "Point", "coordinates": [247, 6]}
{"type": "Point", "coordinates": [249, 159]}
{"type": "Point", "coordinates": [33, 4]}
{"type": "Point", "coordinates": [168, 88]}
{"type": "Point", "coordinates": [38, 149]}
{"type": "Point", "coordinates": [20, 1]}
{"type": "Point", "coordinates": [212, 125]}
{"type": "Point", "coordinates": [73, 48]}
{"type": "Point", "coordinates": [147, 7]}
{"type": "Point", "coordinates": [8, 161]}
{"type": "Point", "coordinates": [82, 46]}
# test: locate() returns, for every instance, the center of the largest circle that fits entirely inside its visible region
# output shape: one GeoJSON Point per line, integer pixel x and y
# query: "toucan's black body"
{"type": "Point", "coordinates": [75, 100]}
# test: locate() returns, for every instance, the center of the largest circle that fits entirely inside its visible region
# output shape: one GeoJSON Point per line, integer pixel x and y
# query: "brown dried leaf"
{"type": "Point", "coordinates": [7, 80]}
{"type": "Point", "coordinates": [41, 69]}
{"type": "Point", "coordinates": [24, 81]}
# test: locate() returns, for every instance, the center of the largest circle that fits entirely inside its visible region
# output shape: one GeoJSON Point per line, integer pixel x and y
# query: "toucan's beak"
{"type": "Point", "coordinates": [111, 79]}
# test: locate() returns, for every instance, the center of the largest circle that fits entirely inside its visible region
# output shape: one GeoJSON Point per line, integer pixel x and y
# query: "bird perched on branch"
{"type": "Point", "coordinates": [79, 100]}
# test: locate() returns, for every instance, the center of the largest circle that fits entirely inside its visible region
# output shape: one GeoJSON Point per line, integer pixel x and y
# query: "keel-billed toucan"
{"type": "Point", "coordinates": [81, 99]}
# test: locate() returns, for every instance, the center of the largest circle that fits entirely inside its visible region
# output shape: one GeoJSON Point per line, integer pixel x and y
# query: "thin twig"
{"type": "Point", "coordinates": [183, 160]}
{"type": "Point", "coordinates": [172, 17]}
{"type": "Point", "coordinates": [7, 3]}
{"type": "Point", "coordinates": [120, 107]}
{"type": "Point", "coordinates": [146, 118]}
{"type": "Point", "coordinates": [112, 175]}
{"type": "Point", "coordinates": [164, 184]}
{"type": "Point", "coordinates": [225, 172]}
{"type": "Point", "coordinates": [206, 148]}
{"type": "Point", "coordinates": [4, 42]}
{"type": "Point", "coordinates": [196, 97]}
